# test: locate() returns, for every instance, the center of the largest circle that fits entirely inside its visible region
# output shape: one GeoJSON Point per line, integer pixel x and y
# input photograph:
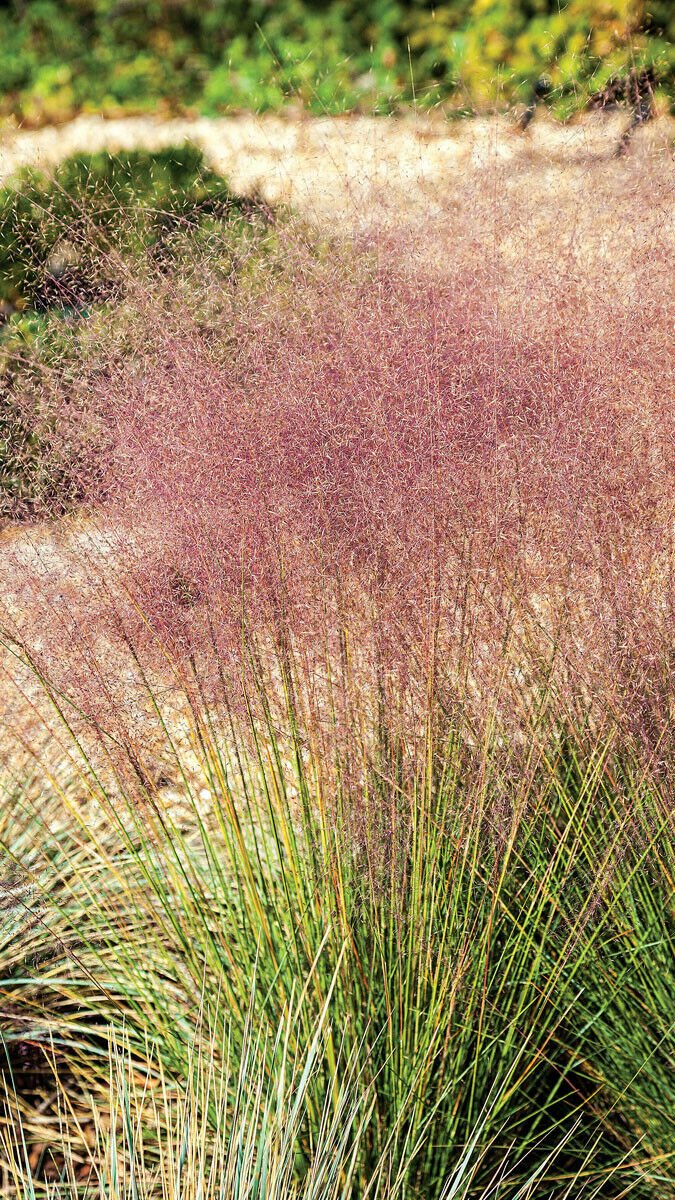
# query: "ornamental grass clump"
{"type": "Point", "coordinates": [341, 731]}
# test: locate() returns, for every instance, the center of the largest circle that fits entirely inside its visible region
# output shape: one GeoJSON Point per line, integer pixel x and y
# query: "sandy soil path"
{"type": "Point", "coordinates": [341, 168]}
{"type": "Point", "coordinates": [555, 186]}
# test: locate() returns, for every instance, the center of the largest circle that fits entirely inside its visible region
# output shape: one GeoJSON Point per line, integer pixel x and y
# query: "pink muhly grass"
{"type": "Point", "coordinates": [381, 455]}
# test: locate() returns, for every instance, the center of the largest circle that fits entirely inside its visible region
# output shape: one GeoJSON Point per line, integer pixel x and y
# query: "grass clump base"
{"type": "Point", "coordinates": [446, 978]}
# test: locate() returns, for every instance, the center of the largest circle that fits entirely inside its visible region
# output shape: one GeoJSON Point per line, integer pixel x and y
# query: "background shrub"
{"type": "Point", "coordinates": [54, 229]}
{"type": "Point", "coordinates": [71, 244]}
{"type": "Point", "coordinates": [58, 59]}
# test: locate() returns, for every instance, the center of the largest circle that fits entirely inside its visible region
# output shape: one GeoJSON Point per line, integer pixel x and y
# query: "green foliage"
{"type": "Point", "coordinates": [56, 228]}
{"type": "Point", "coordinates": [498, 48]}
{"type": "Point", "coordinates": [60, 58]}
{"type": "Point", "coordinates": [478, 985]}
{"type": "Point", "coordinates": [68, 246]}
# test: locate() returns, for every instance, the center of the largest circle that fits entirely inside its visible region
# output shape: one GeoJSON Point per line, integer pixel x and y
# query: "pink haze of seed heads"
{"type": "Point", "coordinates": [389, 451]}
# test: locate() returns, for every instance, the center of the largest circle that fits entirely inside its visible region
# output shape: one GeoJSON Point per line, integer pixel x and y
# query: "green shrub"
{"type": "Point", "coordinates": [59, 58]}
{"type": "Point", "coordinates": [68, 243]}
{"type": "Point", "coordinates": [55, 230]}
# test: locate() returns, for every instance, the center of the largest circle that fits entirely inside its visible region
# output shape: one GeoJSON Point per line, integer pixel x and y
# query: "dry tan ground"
{"type": "Point", "coordinates": [554, 184]}
{"type": "Point", "coordinates": [344, 168]}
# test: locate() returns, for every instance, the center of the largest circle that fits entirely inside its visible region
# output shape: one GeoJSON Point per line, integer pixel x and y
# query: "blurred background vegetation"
{"type": "Point", "coordinates": [61, 57]}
